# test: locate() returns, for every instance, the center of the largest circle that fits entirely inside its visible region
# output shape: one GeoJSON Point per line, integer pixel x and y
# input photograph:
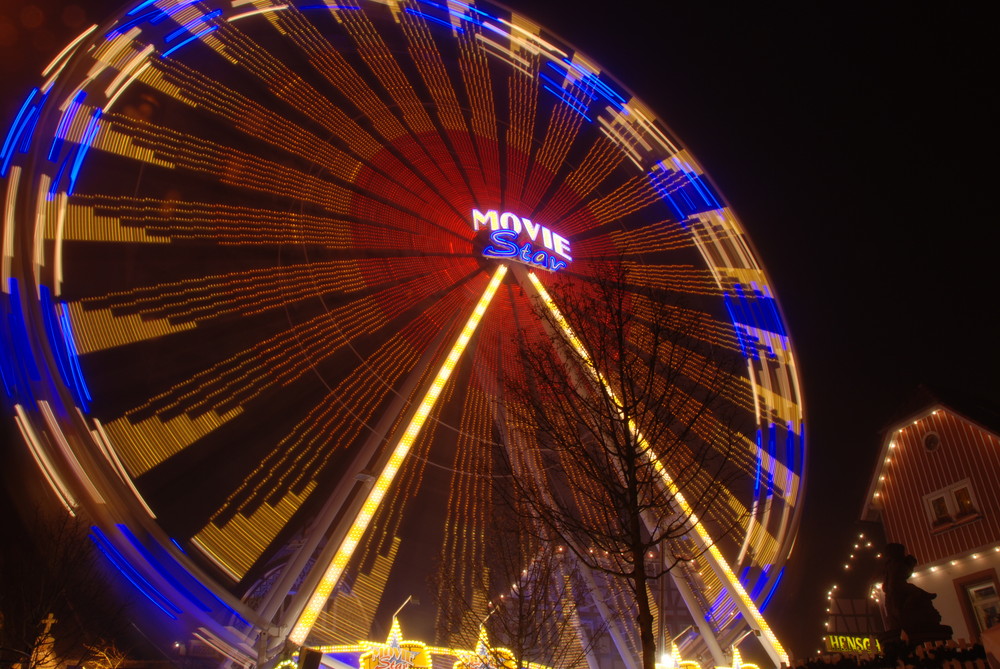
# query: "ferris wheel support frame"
{"type": "Point", "coordinates": [700, 535]}
{"type": "Point", "coordinates": [605, 614]}
{"type": "Point", "coordinates": [602, 608]}
{"type": "Point", "coordinates": [587, 640]}
{"type": "Point", "coordinates": [323, 525]}
{"type": "Point", "coordinates": [706, 631]}
{"type": "Point", "coordinates": [532, 286]}
{"type": "Point", "coordinates": [335, 568]}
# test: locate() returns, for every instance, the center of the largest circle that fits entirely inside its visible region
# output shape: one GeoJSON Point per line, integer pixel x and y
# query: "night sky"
{"type": "Point", "coordinates": [856, 142]}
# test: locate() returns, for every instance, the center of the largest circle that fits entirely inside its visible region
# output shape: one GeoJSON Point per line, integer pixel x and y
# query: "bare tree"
{"type": "Point", "coordinates": [626, 429]}
{"type": "Point", "coordinates": [55, 598]}
{"type": "Point", "coordinates": [104, 654]}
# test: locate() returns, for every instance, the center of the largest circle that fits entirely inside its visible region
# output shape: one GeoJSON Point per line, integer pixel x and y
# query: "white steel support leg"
{"type": "Point", "coordinates": [592, 662]}
{"type": "Point", "coordinates": [616, 635]}
{"type": "Point", "coordinates": [322, 526]}
{"type": "Point", "coordinates": [586, 641]}
{"type": "Point", "coordinates": [706, 631]}
{"type": "Point", "coordinates": [336, 566]}
{"type": "Point", "coordinates": [693, 607]}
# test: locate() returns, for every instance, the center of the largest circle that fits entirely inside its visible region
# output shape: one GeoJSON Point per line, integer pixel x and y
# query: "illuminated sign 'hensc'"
{"type": "Point", "coordinates": [852, 644]}
{"type": "Point", "coordinates": [506, 231]}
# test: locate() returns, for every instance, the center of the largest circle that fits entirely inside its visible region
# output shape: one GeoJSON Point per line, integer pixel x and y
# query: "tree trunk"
{"type": "Point", "coordinates": [645, 618]}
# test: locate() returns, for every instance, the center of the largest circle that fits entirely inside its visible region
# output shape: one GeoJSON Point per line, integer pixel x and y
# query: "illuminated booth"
{"type": "Point", "coordinates": [399, 653]}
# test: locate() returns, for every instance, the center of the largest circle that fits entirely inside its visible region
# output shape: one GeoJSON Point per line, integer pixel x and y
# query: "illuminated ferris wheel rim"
{"type": "Point", "coordinates": [625, 114]}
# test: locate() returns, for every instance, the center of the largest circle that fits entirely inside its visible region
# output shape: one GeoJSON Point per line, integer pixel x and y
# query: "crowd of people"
{"type": "Point", "coordinates": [944, 655]}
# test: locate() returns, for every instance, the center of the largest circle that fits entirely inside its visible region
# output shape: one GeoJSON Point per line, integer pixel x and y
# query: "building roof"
{"type": "Point", "coordinates": [978, 409]}
{"type": "Point", "coordinates": [922, 402]}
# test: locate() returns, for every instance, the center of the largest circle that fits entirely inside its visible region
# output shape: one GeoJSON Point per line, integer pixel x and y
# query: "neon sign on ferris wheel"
{"type": "Point", "coordinates": [506, 231]}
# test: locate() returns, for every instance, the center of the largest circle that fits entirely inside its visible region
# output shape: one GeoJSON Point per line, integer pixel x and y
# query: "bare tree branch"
{"type": "Point", "coordinates": [59, 575]}
{"type": "Point", "coordinates": [630, 405]}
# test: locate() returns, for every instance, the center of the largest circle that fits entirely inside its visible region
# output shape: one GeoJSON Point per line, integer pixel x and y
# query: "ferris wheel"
{"type": "Point", "coordinates": [253, 332]}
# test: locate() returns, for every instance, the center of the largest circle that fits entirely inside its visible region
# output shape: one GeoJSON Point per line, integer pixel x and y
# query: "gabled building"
{"type": "Point", "coordinates": [936, 490]}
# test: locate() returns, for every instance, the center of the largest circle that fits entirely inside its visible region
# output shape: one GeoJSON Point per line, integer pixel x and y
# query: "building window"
{"type": "Point", "coordinates": [931, 441]}
{"type": "Point", "coordinates": [939, 510]}
{"type": "Point", "coordinates": [985, 604]}
{"type": "Point", "coordinates": [979, 597]}
{"type": "Point", "coordinates": [963, 501]}
{"type": "Point", "coordinates": [951, 506]}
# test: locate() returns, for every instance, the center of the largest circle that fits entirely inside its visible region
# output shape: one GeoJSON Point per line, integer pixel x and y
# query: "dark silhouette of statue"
{"type": "Point", "coordinates": [909, 609]}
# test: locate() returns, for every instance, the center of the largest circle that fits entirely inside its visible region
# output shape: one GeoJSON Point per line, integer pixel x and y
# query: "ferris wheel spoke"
{"type": "Point", "coordinates": [561, 132]}
{"type": "Point", "coordinates": [205, 400]}
{"type": "Point", "coordinates": [651, 193]}
{"type": "Point", "coordinates": [637, 244]}
{"type": "Point", "coordinates": [247, 239]}
{"type": "Point", "coordinates": [310, 103]}
{"type": "Point", "coordinates": [248, 521]}
{"type": "Point", "coordinates": [601, 160]}
{"type": "Point", "coordinates": [267, 492]}
{"type": "Point", "coordinates": [251, 292]}
{"type": "Point", "coordinates": [464, 167]}
{"type": "Point", "coordinates": [265, 178]}
{"type": "Point", "coordinates": [386, 69]}
{"type": "Point", "coordinates": [253, 120]}
{"type": "Point", "coordinates": [163, 220]}
{"type": "Point", "coordinates": [409, 139]}
{"type": "Point", "coordinates": [342, 415]}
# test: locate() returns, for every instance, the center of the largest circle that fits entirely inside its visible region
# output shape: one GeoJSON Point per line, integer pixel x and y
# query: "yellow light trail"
{"type": "Point", "coordinates": [385, 479]}
{"type": "Point", "coordinates": [713, 550]}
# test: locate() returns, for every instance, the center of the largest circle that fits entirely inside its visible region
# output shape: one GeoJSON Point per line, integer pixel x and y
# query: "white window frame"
{"type": "Point", "coordinates": [951, 502]}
